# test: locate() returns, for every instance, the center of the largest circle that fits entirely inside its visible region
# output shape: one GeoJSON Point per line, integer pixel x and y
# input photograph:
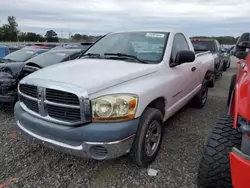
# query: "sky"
{"type": "Point", "coordinates": [97, 17]}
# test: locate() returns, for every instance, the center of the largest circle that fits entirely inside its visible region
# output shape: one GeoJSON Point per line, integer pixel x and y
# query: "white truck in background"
{"type": "Point", "coordinates": [115, 98]}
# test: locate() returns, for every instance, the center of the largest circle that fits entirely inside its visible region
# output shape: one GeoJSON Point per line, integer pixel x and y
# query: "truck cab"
{"type": "Point", "coordinates": [115, 98]}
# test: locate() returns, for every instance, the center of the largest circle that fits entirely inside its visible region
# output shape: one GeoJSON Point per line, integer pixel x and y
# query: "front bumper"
{"type": "Point", "coordinates": [240, 169]}
{"type": "Point", "coordinates": [94, 140]}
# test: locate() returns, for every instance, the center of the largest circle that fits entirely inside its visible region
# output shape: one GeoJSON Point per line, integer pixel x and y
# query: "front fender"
{"type": "Point", "coordinates": [148, 88]}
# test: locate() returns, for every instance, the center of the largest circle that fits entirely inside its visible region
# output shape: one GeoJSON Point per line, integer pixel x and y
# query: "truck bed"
{"type": "Point", "coordinates": [200, 53]}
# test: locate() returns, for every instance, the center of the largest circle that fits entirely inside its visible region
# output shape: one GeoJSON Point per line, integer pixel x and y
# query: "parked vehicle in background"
{"type": "Point", "coordinates": [9, 77]}
{"type": "Point", "coordinates": [13, 49]}
{"type": "Point", "coordinates": [226, 157]}
{"type": "Point", "coordinates": [232, 50]}
{"type": "Point", "coordinates": [83, 46]}
{"type": "Point", "coordinates": [49, 58]}
{"type": "Point", "coordinates": [4, 50]}
{"type": "Point", "coordinates": [114, 99]}
{"type": "Point", "coordinates": [227, 58]}
{"type": "Point", "coordinates": [213, 46]}
{"type": "Point", "coordinates": [22, 55]}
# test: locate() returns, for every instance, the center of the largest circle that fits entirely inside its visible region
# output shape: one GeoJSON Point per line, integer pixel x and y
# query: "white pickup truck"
{"type": "Point", "coordinates": [115, 98]}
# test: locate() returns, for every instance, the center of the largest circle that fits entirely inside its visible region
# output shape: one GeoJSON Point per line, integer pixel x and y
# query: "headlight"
{"type": "Point", "coordinates": [115, 107]}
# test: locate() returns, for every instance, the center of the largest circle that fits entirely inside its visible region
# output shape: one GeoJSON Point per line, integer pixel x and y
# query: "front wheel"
{"type": "Point", "coordinates": [148, 138]}
{"type": "Point", "coordinates": [214, 168]}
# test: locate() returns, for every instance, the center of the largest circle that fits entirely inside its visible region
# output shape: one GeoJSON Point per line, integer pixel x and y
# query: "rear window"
{"type": "Point", "coordinates": [20, 55]}
{"type": "Point", "coordinates": [203, 45]}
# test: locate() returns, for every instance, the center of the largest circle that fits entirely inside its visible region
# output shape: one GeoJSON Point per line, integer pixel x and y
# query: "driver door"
{"type": "Point", "coordinates": [186, 71]}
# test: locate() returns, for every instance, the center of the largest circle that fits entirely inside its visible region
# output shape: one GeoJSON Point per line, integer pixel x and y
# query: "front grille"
{"type": "Point", "coordinates": [63, 113]}
{"type": "Point", "coordinates": [56, 105]}
{"type": "Point", "coordinates": [30, 104]}
{"type": "Point", "coordinates": [29, 90]}
{"type": "Point", "coordinates": [61, 97]}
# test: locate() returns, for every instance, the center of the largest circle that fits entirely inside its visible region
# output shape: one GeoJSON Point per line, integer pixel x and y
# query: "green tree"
{"type": "Point", "coordinates": [30, 37]}
{"type": "Point", "coordinates": [9, 32]}
{"type": "Point", "coordinates": [51, 36]}
{"type": "Point", "coordinates": [76, 37]}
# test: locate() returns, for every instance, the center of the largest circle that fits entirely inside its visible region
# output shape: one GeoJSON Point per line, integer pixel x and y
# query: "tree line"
{"type": "Point", "coordinates": [9, 33]}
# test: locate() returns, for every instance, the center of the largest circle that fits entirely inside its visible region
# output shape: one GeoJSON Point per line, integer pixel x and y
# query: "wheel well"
{"type": "Point", "coordinates": [159, 104]}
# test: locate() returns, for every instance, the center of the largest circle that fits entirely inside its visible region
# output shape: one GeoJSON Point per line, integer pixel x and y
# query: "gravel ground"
{"type": "Point", "coordinates": [177, 162]}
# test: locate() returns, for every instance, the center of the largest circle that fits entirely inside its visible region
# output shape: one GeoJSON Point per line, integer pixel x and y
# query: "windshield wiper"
{"type": "Point", "coordinates": [125, 55]}
{"type": "Point", "coordinates": [92, 55]}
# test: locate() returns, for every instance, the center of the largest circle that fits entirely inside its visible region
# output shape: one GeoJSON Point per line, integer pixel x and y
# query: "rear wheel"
{"type": "Point", "coordinates": [225, 66]}
{"type": "Point", "coordinates": [212, 81]}
{"type": "Point", "coordinates": [231, 88]}
{"type": "Point", "coordinates": [229, 63]}
{"type": "Point", "coordinates": [214, 169]}
{"type": "Point", "coordinates": [148, 138]}
{"type": "Point", "coordinates": [219, 73]}
{"type": "Point", "coordinates": [200, 99]}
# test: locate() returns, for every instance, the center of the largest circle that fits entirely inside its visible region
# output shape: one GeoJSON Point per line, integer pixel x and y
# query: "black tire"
{"type": "Point", "coordinates": [225, 66]}
{"type": "Point", "coordinates": [138, 152]}
{"type": "Point", "coordinates": [200, 99]}
{"type": "Point", "coordinates": [229, 63]}
{"type": "Point", "coordinates": [219, 73]}
{"type": "Point", "coordinates": [211, 83]}
{"type": "Point", "coordinates": [231, 88]}
{"type": "Point", "coordinates": [214, 168]}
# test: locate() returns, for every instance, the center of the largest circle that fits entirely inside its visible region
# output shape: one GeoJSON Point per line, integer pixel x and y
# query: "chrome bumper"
{"type": "Point", "coordinates": [93, 150]}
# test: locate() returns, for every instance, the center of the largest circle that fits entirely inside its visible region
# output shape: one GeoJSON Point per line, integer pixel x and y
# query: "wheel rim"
{"type": "Point", "coordinates": [204, 94]}
{"type": "Point", "coordinates": [153, 138]}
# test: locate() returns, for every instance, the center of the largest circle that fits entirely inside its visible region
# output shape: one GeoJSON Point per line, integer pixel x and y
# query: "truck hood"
{"type": "Point", "coordinates": [94, 75]}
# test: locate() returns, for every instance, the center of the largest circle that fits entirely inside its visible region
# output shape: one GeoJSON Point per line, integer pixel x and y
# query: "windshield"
{"type": "Point", "coordinates": [20, 55]}
{"type": "Point", "coordinates": [145, 46]}
{"type": "Point", "coordinates": [203, 45]}
{"type": "Point", "coordinates": [49, 58]}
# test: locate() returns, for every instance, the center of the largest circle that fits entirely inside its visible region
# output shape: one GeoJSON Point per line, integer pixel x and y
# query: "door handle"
{"type": "Point", "coordinates": [193, 69]}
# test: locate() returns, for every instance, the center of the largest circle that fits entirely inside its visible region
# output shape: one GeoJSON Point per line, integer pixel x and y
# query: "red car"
{"type": "Point", "coordinates": [226, 158]}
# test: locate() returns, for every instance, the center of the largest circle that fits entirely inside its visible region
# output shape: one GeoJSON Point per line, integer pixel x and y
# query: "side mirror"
{"type": "Point", "coordinates": [242, 45]}
{"type": "Point", "coordinates": [184, 56]}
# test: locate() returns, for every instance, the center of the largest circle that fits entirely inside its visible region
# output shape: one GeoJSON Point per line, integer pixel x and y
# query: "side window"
{"type": "Point", "coordinates": [179, 43]}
